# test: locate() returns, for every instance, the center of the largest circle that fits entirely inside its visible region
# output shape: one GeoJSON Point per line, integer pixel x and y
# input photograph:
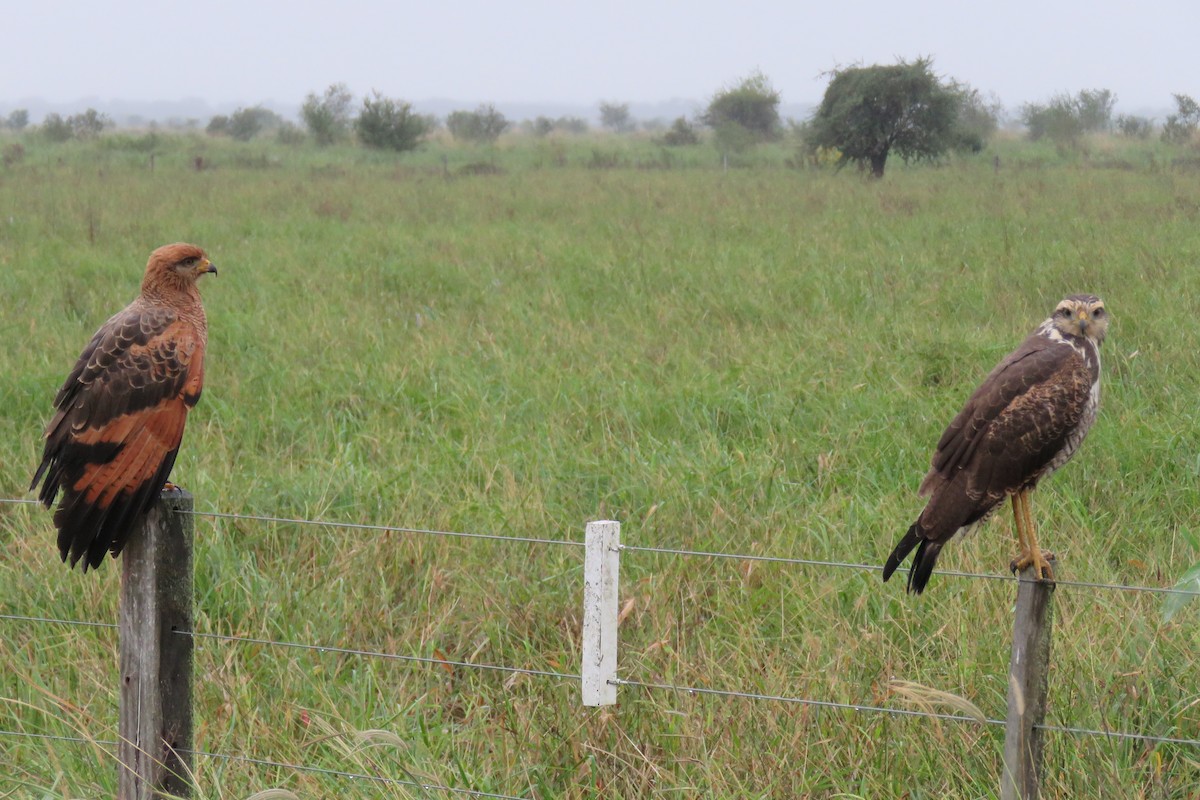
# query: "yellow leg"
{"type": "Point", "coordinates": [1030, 553]}
{"type": "Point", "coordinates": [1019, 521]}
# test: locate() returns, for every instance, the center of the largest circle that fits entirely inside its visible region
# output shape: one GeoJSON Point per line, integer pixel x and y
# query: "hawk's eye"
{"type": "Point", "coordinates": [187, 263]}
{"type": "Point", "coordinates": [1064, 312]}
{"type": "Point", "coordinates": [1098, 313]}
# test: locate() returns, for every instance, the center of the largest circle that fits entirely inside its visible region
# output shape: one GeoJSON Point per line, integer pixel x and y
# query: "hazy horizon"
{"type": "Point", "coordinates": [228, 54]}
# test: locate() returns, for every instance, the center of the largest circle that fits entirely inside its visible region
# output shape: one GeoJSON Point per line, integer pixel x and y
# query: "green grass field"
{"type": "Point", "coordinates": [752, 361]}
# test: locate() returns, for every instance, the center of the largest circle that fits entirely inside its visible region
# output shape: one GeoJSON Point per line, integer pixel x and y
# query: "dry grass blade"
{"type": "Point", "coordinates": [930, 700]}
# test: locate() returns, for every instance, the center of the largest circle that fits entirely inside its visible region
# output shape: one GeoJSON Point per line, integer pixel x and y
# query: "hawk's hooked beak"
{"type": "Point", "coordinates": [206, 266]}
{"type": "Point", "coordinates": [1083, 321]}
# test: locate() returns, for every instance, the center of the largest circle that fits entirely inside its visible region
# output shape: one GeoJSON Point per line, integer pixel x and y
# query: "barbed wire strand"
{"type": "Point", "coordinates": [374, 654]}
{"type": "Point", "coordinates": [280, 765]}
{"type": "Point", "coordinates": [878, 568]}
{"type": "Point", "coordinates": [351, 525]}
{"type": "Point", "coordinates": [59, 738]}
{"type": "Point", "coordinates": [1142, 737]}
{"type": "Point", "coordinates": [902, 712]}
{"type": "Point", "coordinates": [78, 622]}
{"type": "Point", "coordinates": [384, 528]}
{"type": "Point", "coordinates": [850, 565]}
{"type": "Point", "coordinates": [622, 682]}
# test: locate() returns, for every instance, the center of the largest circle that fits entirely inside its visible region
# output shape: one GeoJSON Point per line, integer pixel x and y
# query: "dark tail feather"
{"type": "Point", "coordinates": [903, 548]}
{"type": "Point", "coordinates": [922, 568]}
{"type": "Point", "coordinates": [923, 562]}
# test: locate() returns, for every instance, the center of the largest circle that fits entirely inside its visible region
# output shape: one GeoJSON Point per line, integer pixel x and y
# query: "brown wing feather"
{"type": "Point", "coordinates": [1032, 364]}
{"type": "Point", "coordinates": [119, 421]}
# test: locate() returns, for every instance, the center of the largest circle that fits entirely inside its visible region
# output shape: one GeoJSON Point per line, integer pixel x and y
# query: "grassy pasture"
{"type": "Point", "coordinates": [753, 361]}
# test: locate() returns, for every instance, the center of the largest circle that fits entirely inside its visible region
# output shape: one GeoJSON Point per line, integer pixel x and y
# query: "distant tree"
{"type": "Point", "coordinates": [1066, 118]}
{"type": "Point", "coordinates": [327, 117]}
{"type": "Point", "coordinates": [390, 124]}
{"type": "Point", "coordinates": [978, 118]}
{"type": "Point", "coordinates": [615, 117]}
{"type": "Point", "coordinates": [18, 119]}
{"type": "Point", "coordinates": [748, 110]}
{"type": "Point", "coordinates": [1058, 120]}
{"type": "Point", "coordinates": [89, 124]}
{"type": "Point", "coordinates": [483, 125]}
{"type": "Point", "coordinates": [681, 133]}
{"type": "Point", "coordinates": [246, 123]}
{"type": "Point", "coordinates": [541, 126]}
{"type": "Point", "coordinates": [218, 126]}
{"type": "Point", "coordinates": [869, 113]}
{"type": "Point", "coordinates": [574, 125]}
{"type": "Point", "coordinates": [1134, 127]}
{"type": "Point", "coordinates": [1181, 126]}
{"type": "Point", "coordinates": [56, 129]}
{"type": "Point", "coordinates": [1095, 109]}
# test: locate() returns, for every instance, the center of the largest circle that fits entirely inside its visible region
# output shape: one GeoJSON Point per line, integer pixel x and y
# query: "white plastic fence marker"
{"type": "Point", "coordinates": [601, 566]}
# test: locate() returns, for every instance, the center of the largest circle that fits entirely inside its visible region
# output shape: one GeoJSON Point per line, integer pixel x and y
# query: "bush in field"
{"type": "Point", "coordinates": [327, 117]}
{"type": "Point", "coordinates": [89, 124]}
{"type": "Point", "coordinates": [615, 117]}
{"type": "Point", "coordinates": [573, 125]}
{"type": "Point", "coordinates": [745, 113]}
{"type": "Point", "coordinates": [56, 129]}
{"type": "Point", "coordinates": [978, 118]}
{"type": "Point", "coordinates": [13, 154]}
{"type": "Point", "coordinates": [869, 113]}
{"type": "Point", "coordinates": [246, 123]}
{"type": "Point", "coordinates": [17, 120]}
{"type": "Point", "coordinates": [1095, 109]}
{"type": "Point", "coordinates": [1181, 126]}
{"type": "Point", "coordinates": [390, 124]}
{"type": "Point", "coordinates": [1057, 120]}
{"type": "Point", "coordinates": [544, 126]}
{"type": "Point", "coordinates": [1134, 127]}
{"type": "Point", "coordinates": [218, 126]}
{"type": "Point", "coordinates": [483, 125]}
{"type": "Point", "coordinates": [680, 134]}
{"type": "Point", "coordinates": [1066, 118]}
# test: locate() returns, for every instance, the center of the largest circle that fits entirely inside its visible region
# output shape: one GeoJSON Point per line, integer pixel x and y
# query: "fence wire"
{"type": "Point", "coordinates": [674, 688]}
{"type": "Point", "coordinates": [443, 662]}
{"type": "Point", "coordinates": [846, 565]}
{"type": "Point", "coordinates": [381, 528]}
{"type": "Point", "coordinates": [898, 712]}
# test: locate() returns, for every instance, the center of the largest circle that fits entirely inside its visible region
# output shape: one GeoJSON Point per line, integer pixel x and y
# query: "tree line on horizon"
{"type": "Point", "coordinates": [867, 115]}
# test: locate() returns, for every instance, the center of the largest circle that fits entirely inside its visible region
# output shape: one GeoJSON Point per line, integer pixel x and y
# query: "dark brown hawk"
{"type": "Point", "coordinates": [1025, 421]}
{"type": "Point", "coordinates": [119, 417]}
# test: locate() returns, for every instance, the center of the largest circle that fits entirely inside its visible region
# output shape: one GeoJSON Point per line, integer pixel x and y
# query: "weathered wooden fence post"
{"type": "Point", "coordinates": [601, 570]}
{"type": "Point", "coordinates": [156, 662]}
{"type": "Point", "coordinates": [1027, 675]}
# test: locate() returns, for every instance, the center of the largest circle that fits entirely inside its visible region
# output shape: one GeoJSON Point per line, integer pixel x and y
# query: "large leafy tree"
{"type": "Point", "coordinates": [870, 113]}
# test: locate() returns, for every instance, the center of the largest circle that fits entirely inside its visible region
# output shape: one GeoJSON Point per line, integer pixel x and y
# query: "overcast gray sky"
{"type": "Point", "coordinates": [520, 51]}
